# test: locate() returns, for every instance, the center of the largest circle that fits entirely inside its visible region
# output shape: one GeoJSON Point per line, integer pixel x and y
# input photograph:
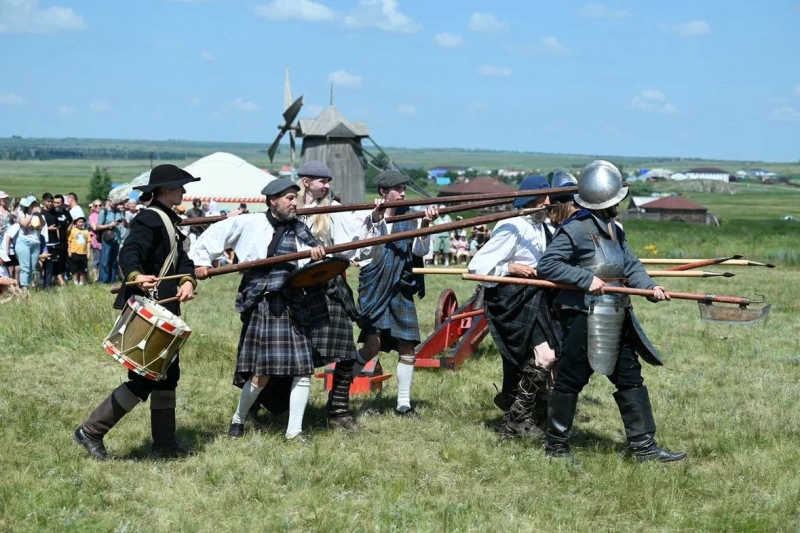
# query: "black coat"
{"type": "Point", "coordinates": [146, 249]}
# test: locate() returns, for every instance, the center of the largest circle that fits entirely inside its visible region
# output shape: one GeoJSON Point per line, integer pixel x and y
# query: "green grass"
{"type": "Point", "coordinates": [728, 395]}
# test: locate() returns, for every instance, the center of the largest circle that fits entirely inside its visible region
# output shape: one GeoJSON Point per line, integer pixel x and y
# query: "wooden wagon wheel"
{"type": "Point", "coordinates": [445, 307]}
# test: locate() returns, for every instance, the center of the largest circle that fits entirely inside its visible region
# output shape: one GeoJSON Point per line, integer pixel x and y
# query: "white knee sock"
{"type": "Point", "coordinates": [246, 400]}
{"type": "Point", "coordinates": [405, 373]}
{"type": "Point", "coordinates": [301, 389]}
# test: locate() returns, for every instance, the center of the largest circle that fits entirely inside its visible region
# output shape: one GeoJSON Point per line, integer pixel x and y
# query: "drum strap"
{"type": "Point", "coordinates": [172, 258]}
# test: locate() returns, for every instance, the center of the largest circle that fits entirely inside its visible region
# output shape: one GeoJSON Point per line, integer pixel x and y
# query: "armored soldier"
{"type": "Point", "coordinates": [601, 333]}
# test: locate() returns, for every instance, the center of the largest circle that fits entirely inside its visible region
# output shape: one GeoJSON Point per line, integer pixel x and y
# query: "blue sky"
{"type": "Point", "coordinates": [683, 78]}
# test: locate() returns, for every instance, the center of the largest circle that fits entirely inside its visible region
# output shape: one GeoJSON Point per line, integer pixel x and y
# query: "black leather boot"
{"type": "Point", "coordinates": [640, 428]}
{"type": "Point", "coordinates": [105, 416]}
{"type": "Point", "coordinates": [527, 412]}
{"type": "Point", "coordinates": [163, 427]}
{"type": "Point", "coordinates": [560, 414]}
{"type": "Point", "coordinates": [338, 406]}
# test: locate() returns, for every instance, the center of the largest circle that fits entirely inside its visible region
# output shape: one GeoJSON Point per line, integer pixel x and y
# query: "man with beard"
{"type": "Point", "coordinates": [519, 315]}
{"type": "Point", "coordinates": [601, 333]}
{"type": "Point", "coordinates": [58, 221]}
{"type": "Point", "coordinates": [277, 320]}
{"type": "Point", "coordinates": [333, 343]}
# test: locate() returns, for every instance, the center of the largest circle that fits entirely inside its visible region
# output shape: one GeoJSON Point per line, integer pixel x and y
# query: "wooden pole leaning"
{"type": "Point", "coordinates": [383, 239]}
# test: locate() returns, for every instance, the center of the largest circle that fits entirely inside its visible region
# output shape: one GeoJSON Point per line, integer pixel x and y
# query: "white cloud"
{"type": "Point", "coordinates": [66, 110]}
{"type": "Point", "coordinates": [208, 56]}
{"type": "Point", "coordinates": [194, 102]}
{"type": "Point", "coordinates": [25, 16]}
{"type": "Point", "coordinates": [192, 1]}
{"type": "Point", "coordinates": [498, 72]}
{"type": "Point", "coordinates": [447, 40]}
{"type": "Point", "coordinates": [599, 11]}
{"type": "Point", "coordinates": [407, 109]}
{"type": "Point", "coordinates": [100, 106]}
{"type": "Point", "coordinates": [485, 22]}
{"type": "Point", "coordinates": [545, 47]}
{"type": "Point", "coordinates": [342, 78]}
{"type": "Point", "coordinates": [689, 29]}
{"type": "Point", "coordinates": [245, 106]}
{"type": "Point", "coordinates": [11, 99]}
{"type": "Point", "coordinates": [785, 114]}
{"type": "Point", "coordinates": [381, 14]}
{"type": "Point", "coordinates": [652, 101]}
{"type": "Point", "coordinates": [312, 110]}
{"type": "Point", "coordinates": [296, 10]}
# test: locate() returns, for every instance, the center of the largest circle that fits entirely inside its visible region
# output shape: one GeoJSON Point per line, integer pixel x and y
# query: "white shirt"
{"type": "Point", "coordinates": [516, 240]}
{"type": "Point", "coordinates": [344, 228]}
{"type": "Point", "coordinates": [419, 247]}
{"type": "Point", "coordinates": [248, 235]}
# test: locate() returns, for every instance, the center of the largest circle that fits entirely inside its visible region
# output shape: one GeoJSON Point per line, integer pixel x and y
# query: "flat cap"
{"type": "Point", "coordinates": [315, 169]}
{"type": "Point", "coordinates": [390, 178]}
{"type": "Point", "coordinates": [530, 183]}
{"type": "Point", "coordinates": [276, 187]}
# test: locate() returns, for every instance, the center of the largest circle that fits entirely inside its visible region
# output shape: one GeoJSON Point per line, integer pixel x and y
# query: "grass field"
{"type": "Point", "coordinates": [728, 395]}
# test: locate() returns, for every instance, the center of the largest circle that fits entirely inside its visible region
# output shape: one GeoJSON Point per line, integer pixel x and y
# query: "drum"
{"type": "Point", "coordinates": [317, 272]}
{"type": "Point", "coordinates": [146, 338]}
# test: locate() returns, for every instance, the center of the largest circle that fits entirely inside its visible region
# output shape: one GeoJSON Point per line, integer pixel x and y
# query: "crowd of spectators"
{"type": "Point", "coordinates": [50, 241]}
{"type": "Point", "coordinates": [458, 246]}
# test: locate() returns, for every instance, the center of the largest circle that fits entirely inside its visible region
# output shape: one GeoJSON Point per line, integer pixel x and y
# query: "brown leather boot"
{"type": "Point", "coordinates": [105, 416]}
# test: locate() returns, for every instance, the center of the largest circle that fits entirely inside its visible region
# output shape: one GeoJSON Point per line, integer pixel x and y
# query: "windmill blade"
{"type": "Point", "coordinates": [275, 144]}
{"type": "Point", "coordinates": [292, 111]}
{"type": "Point", "coordinates": [392, 165]}
{"type": "Point", "coordinates": [292, 148]}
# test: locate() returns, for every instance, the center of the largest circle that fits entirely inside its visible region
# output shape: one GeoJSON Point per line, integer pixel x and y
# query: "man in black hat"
{"type": "Point", "coordinates": [152, 250]}
{"type": "Point", "coordinates": [276, 320]}
{"type": "Point", "coordinates": [386, 291]}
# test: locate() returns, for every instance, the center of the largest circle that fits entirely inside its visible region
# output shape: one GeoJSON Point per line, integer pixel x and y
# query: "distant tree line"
{"type": "Point", "coordinates": [28, 153]}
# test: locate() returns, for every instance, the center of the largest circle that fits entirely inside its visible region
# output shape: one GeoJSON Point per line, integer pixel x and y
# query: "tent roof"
{"type": "Point", "coordinates": [331, 123]}
{"type": "Point", "coordinates": [226, 178]}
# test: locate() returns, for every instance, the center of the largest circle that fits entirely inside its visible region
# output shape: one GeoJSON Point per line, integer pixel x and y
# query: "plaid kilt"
{"type": "Point", "coordinates": [519, 318]}
{"type": "Point", "coordinates": [270, 344]}
{"type": "Point", "coordinates": [397, 323]}
{"type": "Point", "coordinates": [334, 342]}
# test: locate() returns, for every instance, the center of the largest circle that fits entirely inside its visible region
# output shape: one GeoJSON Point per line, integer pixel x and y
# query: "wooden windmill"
{"type": "Point", "coordinates": [334, 140]}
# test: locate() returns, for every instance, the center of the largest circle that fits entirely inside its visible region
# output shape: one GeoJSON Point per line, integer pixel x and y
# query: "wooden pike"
{"type": "Point", "coordinates": [454, 209]}
{"type": "Point", "coordinates": [383, 239]}
{"type": "Point", "coordinates": [436, 201]}
{"type": "Point", "coordinates": [201, 220]}
{"type": "Point", "coordinates": [652, 273]}
{"type": "Point", "coordinates": [737, 315]}
{"type": "Point", "coordinates": [727, 262]}
{"type": "Point", "coordinates": [165, 278]}
{"type": "Point", "coordinates": [703, 263]}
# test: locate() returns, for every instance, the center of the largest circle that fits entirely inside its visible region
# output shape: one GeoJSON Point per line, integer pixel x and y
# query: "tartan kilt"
{"type": "Point", "coordinates": [334, 342]}
{"type": "Point", "coordinates": [270, 344]}
{"type": "Point", "coordinates": [398, 323]}
{"type": "Point", "coordinates": [519, 318]}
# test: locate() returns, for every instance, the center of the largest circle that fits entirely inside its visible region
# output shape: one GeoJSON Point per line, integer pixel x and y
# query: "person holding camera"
{"type": "Point", "coordinates": [109, 226]}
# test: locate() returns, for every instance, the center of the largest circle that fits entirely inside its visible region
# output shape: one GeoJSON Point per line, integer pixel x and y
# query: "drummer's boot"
{"type": "Point", "coordinates": [162, 425]}
{"type": "Point", "coordinates": [338, 407]}
{"type": "Point", "coordinates": [640, 428]}
{"type": "Point", "coordinates": [105, 416]}
{"type": "Point", "coordinates": [560, 415]}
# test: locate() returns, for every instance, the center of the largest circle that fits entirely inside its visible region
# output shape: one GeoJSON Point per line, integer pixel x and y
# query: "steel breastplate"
{"type": "Point", "coordinates": [606, 311]}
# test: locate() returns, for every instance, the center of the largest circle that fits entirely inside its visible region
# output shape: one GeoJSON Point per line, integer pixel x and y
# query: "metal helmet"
{"type": "Point", "coordinates": [600, 186]}
{"type": "Point", "coordinates": [562, 178]}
